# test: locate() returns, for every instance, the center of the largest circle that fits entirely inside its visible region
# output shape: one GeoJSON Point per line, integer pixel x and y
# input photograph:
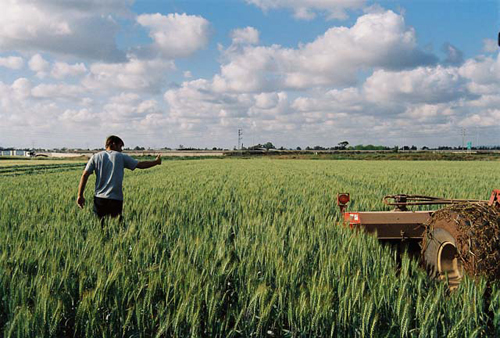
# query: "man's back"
{"type": "Point", "coordinates": [109, 166]}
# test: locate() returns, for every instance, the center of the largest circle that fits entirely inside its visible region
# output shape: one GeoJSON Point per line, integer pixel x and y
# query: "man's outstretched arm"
{"type": "Point", "coordinates": [81, 188]}
{"type": "Point", "coordinates": [149, 164]}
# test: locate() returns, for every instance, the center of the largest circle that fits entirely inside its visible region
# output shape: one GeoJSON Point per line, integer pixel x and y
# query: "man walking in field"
{"type": "Point", "coordinates": [109, 166]}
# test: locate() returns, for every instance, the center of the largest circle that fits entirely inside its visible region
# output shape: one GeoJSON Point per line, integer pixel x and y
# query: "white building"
{"type": "Point", "coordinates": [14, 153]}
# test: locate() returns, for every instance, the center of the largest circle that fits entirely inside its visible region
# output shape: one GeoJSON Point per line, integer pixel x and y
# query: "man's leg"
{"type": "Point", "coordinates": [107, 207]}
{"type": "Point", "coordinates": [116, 209]}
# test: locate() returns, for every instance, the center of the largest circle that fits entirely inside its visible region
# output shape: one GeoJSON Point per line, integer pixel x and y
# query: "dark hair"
{"type": "Point", "coordinates": [114, 140]}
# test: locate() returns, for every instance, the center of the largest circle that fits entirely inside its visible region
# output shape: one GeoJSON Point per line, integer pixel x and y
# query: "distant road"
{"type": "Point", "coordinates": [197, 153]}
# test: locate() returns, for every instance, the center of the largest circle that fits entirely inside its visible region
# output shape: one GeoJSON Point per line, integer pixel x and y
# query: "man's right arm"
{"type": "Point", "coordinates": [81, 188]}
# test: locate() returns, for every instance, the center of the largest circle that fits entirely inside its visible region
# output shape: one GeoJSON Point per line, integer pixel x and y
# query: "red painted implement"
{"type": "Point", "coordinates": [438, 236]}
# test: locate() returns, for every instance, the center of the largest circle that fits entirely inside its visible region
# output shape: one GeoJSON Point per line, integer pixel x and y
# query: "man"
{"type": "Point", "coordinates": [109, 167]}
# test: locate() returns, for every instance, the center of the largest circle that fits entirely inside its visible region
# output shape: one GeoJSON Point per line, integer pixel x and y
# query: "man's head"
{"type": "Point", "coordinates": [114, 143]}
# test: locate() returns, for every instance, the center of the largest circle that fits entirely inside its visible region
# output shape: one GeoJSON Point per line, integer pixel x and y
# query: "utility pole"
{"type": "Point", "coordinates": [463, 138]}
{"type": "Point", "coordinates": [240, 137]}
{"type": "Point", "coordinates": [477, 138]}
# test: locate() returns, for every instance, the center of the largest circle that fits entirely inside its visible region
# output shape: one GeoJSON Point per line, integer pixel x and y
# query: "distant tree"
{"type": "Point", "coordinates": [139, 148]}
{"type": "Point", "coordinates": [299, 148]}
{"type": "Point", "coordinates": [413, 147]}
{"type": "Point", "coordinates": [425, 148]}
{"type": "Point", "coordinates": [268, 146]}
{"type": "Point", "coordinates": [343, 144]}
{"type": "Point", "coordinates": [181, 147]}
{"type": "Point", "coordinates": [308, 148]}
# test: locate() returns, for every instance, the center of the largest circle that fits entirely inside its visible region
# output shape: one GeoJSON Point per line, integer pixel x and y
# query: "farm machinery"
{"type": "Point", "coordinates": [461, 238]}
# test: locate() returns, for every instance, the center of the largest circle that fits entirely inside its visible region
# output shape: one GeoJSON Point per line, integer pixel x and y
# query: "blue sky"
{"type": "Point", "coordinates": [296, 72]}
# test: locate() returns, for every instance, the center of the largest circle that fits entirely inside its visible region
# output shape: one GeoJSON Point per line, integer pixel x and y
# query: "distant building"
{"type": "Point", "coordinates": [15, 152]}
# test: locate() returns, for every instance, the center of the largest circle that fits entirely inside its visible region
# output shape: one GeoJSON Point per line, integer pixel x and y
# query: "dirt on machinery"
{"type": "Point", "coordinates": [476, 228]}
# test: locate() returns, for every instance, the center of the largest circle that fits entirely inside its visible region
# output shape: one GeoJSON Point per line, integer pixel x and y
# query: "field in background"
{"type": "Point", "coordinates": [230, 248]}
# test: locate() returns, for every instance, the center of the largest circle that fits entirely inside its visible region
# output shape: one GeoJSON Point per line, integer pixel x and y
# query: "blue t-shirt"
{"type": "Point", "coordinates": [109, 166]}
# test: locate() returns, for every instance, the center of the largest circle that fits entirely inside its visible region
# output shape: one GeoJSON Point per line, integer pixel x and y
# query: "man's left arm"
{"type": "Point", "coordinates": [149, 164]}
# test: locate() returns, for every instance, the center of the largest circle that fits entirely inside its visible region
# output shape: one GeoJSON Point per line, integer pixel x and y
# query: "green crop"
{"type": "Point", "coordinates": [231, 248]}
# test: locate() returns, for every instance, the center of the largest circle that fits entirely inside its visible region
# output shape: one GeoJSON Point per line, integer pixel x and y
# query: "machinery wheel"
{"type": "Point", "coordinates": [440, 253]}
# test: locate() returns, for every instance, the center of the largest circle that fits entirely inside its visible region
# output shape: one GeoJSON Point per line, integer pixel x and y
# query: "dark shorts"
{"type": "Point", "coordinates": [105, 206]}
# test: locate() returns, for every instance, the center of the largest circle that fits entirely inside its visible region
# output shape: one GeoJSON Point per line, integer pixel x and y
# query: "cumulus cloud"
{"type": "Point", "coordinates": [247, 35]}
{"type": "Point", "coordinates": [39, 65]}
{"type": "Point", "coordinates": [55, 91]}
{"type": "Point", "coordinates": [12, 62]}
{"type": "Point", "coordinates": [141, 75]}
{"type": "Point", "coordinates": [61, 70]}
{"type": "Point", "coordinates": [196, 109]}
{"type": "Point", "coordinates": [129, 109]}
{"type": "Point", "coordinates": [196, 99]}
{"type": "Point", "coordinates": [20, 110]}
{"type": "Point", "coordinates": [307, 9]}
{"type": "Point", "coordinates": [369, 76]}
{"type": "Point", "coordinates": [454, 56]}
{"type": "Point", "coordinates": [377, 40]}
{"type": "Point", "coordinates": [20, 89]}
{"type": "Point", "coordinates": [490, 45]}
{"type": "Point", "coordinates": [421, 85]}
{"type": "Point", "coordinates": [488, 118]}
{"type": "Point", "coordinates": [81, 28]}
{"type": "Point", "coordinates": [176, 35]}
{"type": "Point", "coordinates": [482, 70]}
{"type": "Point", "coordinates": [79, 116]}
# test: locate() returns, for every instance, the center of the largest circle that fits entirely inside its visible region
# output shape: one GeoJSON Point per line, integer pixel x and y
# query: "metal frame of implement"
{"type": "Point", "coordinates": [400, 223]}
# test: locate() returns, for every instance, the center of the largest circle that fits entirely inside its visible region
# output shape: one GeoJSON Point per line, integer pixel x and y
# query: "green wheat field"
{"type": "Point", "coordinates": [229, 248]}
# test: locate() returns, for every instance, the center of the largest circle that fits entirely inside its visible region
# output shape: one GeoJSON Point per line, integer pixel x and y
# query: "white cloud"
{"type": "Point", "coordinates": [307, 95]}
{"type": "Point", "coordinates": [12, 62]}
{"type": "Point", "coordinates": [176, 35]}
{"type": "Point", "coordinates": [429, 113]}
{"type": "Point", "coordinates": [21, 88]}
{"type": "Point", "coordinates": [197, 100]}
{"type": "Point", "coordinates": [490, 45]}
{"type": "Point", "coordinates": [61, 70]}
{"type": "Point", "coordinates": [482, 70]}
{"type": "Point", "coordinates": [247, 35]}
{"type": "Point", "coordinates": [81, 28]}
{"type": "Point", "coordinates": [307, 9]}
{"type": "Point", "coordinates": [39, 65]}
{"type": "Point", "coordinates": [488, 118]}
{"type": "Point", "coordinates": [125, 109]}
{"type": "Point", "coordinates": [454, 56]}
{"type": "Point", "coordinates": [142, 75]}
{"type": "Point", "coordinates": [125, 98]}
{"type": "Point", "coordinates": [79, 116]}
{"type": "Point", "coordinates": [55, 91]}
{"type": "Point", "coordinates": [377, 40]}
{"type": "Point", "coordinates": [421, 85]}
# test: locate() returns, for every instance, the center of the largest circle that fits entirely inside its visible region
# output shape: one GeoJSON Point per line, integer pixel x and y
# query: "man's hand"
{"type": "Point", "coordinates": [80, 201]}
{"type": "Point", "coordinates": [158, 159]}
